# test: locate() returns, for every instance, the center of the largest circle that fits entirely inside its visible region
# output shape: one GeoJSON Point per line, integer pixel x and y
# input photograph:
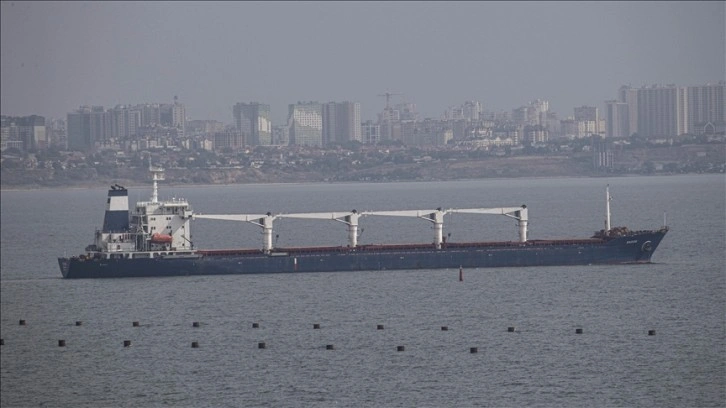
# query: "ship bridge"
{"type": "Point", "coordinates": [351, 219]}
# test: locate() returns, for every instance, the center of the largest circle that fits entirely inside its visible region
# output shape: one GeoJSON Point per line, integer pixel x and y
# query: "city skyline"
{"type": "Point", "coordinates": [58, 56]}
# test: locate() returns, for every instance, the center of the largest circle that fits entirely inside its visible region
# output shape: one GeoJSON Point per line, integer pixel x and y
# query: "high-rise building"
{"type": "Point", "coordinates": [79, 129]}
{"type": "Point", "coordinates": [535, 113]}
{"type": "Point", "coordinates": [56, 131]}
{"type": "Point", "coordinates": [469, 111]}
{"type": "Point", "coordinates": [371, 132]}
{"type": "Point", "coordinates": [662, 111]}
{"type": "Point", "coordinates": [281, 135]}
{"type": "Point", "coordinates": [602, 153]}
{"type": "Point", "coordinates": [23, 132]}
{"type": "Point", "coordinates": [253, 122]}
{"type": "Point", "coordinates": [617, 121]}
{"type": "Point", "coordinates": [706, 108]}
{"type": "Point", "coordinates": [341, 122]}
{"type": "Point", "coordinates": [590, 115]}
{"type": "Point", "coordinates": [100, 124]}
{"type": "Point", "coordinates": [179, 117]}
{"type": "Point", "coordinates": [584, 113]}
{"type": "Point", "coordinates": [629, 96]}
{"type": "Point", "coordinates": [305, 121]}
{"type": "Point", "coordinates": [229, 139]}
{"type": "Point", "coordinates": [89, 127]}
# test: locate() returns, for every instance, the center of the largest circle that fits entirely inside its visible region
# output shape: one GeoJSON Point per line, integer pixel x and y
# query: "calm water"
{"type": "Point", "coordinates": [544, 363]}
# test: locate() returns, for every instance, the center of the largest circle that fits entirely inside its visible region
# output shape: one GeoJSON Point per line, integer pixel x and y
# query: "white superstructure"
{"type": "Point", "coordinates": [152, 228]}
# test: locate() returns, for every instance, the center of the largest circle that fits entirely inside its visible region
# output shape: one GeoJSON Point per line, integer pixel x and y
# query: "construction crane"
{"type": "Point", "coordinates": [388, 98]}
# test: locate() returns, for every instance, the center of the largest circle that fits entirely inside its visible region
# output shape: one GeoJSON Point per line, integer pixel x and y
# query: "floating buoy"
{"type": "Point", "coordinates": [61, 343]}
{"type": "Point", "coordinates": [461, 274]}
{"type": "Point", "coordinates": [261, 345]}
{"type": "Point", "coordinates": [510, 329]}
{"type": "Point", "coordinates": [2, 342]}
{"type": "Point", "coordinates": [255, 325]}
{"type": "Point", "coordinates": [444, 328]}
{"type": "Point", "coordinates": [78, 323]}
{"type": "Point", "coordinates": [195, 324]}
{"type": "Point", "coordinates": [127, 343]}
{"type": "Point", "coordinates": [473, 350]}
{"type": "Point", "coordinates": [379, 327]}
{"type": "Point", "coordinates": [330, 347]}
{"type": "Point", "coordinates": [21, 322]}
{"type": "Point", "coordinates": [651, 332]}
{"type": "Point", "coordinates": [195, 344]}
{"type": "Point", "coordinates": [578, 331]}
{"type": "Point", "coordinates": [400, 348]}
{"type": "Point", "coordinates": [135, 324]}
{"type": "Point", "coordinates": [316, 326]}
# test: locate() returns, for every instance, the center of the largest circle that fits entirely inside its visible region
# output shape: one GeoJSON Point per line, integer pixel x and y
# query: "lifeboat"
{"type": "Point", "coordinates": [161, 239]}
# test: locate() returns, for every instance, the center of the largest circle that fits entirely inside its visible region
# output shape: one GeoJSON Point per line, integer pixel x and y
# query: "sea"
{"type": "Point", "coordinates": [411, 338]}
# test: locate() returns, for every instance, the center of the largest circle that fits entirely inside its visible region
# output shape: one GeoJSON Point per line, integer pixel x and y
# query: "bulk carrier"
{"type": "Point", "coordinates": [153, 239]}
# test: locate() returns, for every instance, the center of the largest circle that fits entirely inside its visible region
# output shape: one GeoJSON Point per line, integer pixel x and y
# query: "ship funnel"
{"type": "Point", "coordinates": [116, 218]}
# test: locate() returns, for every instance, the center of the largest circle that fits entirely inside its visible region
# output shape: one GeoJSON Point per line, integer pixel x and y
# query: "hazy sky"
{"type": "Point", "coordinates": [57, 55]}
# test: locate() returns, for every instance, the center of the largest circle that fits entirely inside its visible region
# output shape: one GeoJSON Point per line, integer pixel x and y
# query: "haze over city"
{"type": "Point", "coordinates": [57, 56]}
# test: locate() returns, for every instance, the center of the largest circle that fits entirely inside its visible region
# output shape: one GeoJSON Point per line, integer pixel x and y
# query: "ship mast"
{"type": "Point", "coordinates": [158, 175]}
{"type": "Point", "coordinates": [607, 210]}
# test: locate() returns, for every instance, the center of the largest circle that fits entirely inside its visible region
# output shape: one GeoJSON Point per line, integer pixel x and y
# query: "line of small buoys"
{"type": "Point", "coordinates": [262, 345]}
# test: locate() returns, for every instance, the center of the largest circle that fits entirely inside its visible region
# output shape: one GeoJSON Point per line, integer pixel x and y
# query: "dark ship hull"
{"type": "Point", "coordinates": [635, 247]}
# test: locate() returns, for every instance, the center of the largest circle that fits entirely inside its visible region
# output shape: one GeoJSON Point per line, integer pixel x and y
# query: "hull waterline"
{"type": "Point", "coordinates": [636, 248]}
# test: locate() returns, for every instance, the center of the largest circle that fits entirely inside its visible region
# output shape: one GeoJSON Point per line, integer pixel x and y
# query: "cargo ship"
{"type": "Point", "coordinates": [153, 239]}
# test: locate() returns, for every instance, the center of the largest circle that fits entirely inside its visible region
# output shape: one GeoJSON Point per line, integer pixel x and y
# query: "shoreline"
{"type": "Point", "coordinates": [99, 185]}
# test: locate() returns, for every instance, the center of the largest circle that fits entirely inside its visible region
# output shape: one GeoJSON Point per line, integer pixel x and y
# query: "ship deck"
{"type": "Point", "coordinates": [398, 247]}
